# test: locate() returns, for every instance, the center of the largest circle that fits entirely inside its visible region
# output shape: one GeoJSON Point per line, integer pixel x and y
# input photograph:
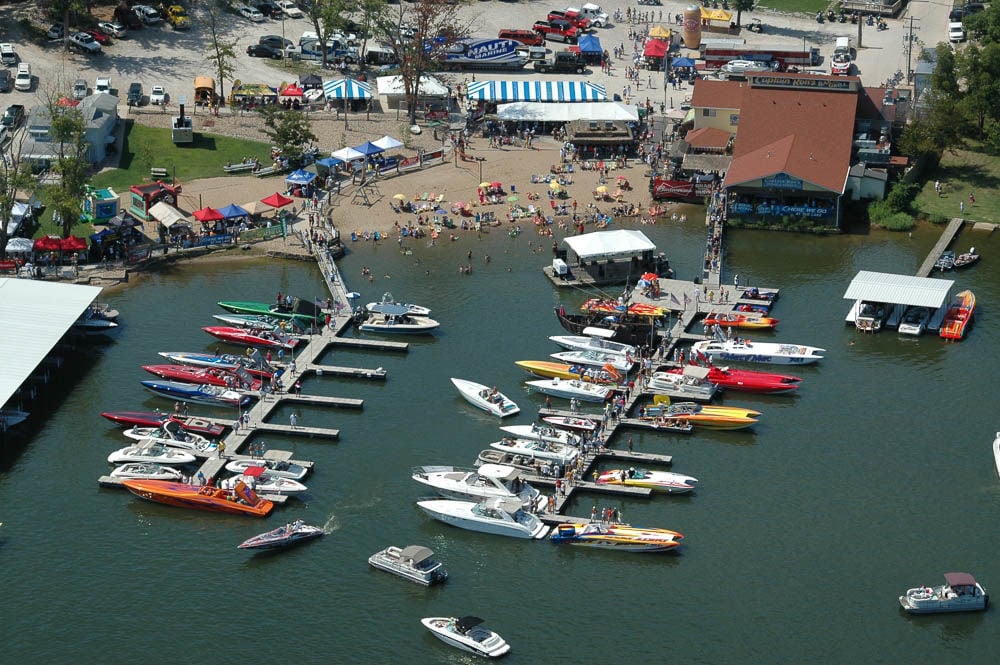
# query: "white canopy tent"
{"type": "Point", "coordinates": [347, 154]}
{"type": "Point", "coordinates": [17, 214]}
{"type": "Point", "coordinates": [542, 112]}
{"type": "Point", "coordinates": [167, 215]}
{"type": "Point", "coordinates": [388, 143]}
{"type": "Point", "coordinates": [20, 246]}
{"type": "Point", "coordinates": [609, 244]}
{"type": "Point", "coordinates": [393, 85]}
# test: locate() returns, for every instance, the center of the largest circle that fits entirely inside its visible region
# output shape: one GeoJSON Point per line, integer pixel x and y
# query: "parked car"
{"type": "Point", "coordinates": [268, 8]}
{"type": "Point", "coordinates": [560, 31]}
{"type": "Point", "coordinates": [956, 32]}
{"type": "Point", "coordinates": [134, 97]}
{"type": "Point", "coordinates": [289, 8]}
{"type": "Point", "coordinates": [527, 37]}
{"type": "Point", "coordinates": [116, 30]}
{"type": "Point", "coordinates": [157, 95]}
{"type": "Point", "coordinates": [99, 37]}
{"type": "Point", "coordinates": [178, 17]}
{"type": "Point", "coordinates": [80, 89]}
{"type": "Point", "coordinates": [85, 42]}
{"type": "Point", "coordinates": [7, 55]}
{"type": "Point", "coordinates": [562, 61]}
{"type": "Point", "coordinates": [250, 13]}
{"type": "Point", "coordinates": [23, 80]}
{"type": "Point", "coordinates": [6, 80]}
{"type": "Point", "coordinates": [264, 51]}
{"type": "Point", "coordinates": [570, 16]}
{"type": "Point", "coordinates": [275, 41]}
{"type": "Point", "coordinates": [147, 14]}
{"type": "Point", "coordinates": [102, 86]}
{"type": "Point", "coordinates": [55, 31]}
{"type": "Point", "coordinates": [13, 116]}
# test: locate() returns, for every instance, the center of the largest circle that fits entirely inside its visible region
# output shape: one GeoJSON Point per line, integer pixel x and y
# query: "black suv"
{"type": "Point", "coordinates": [270, 9]}
{"type": "Point", "coordinates": [274, 41]}
{"type": "Point", "coordinates": [134, 97]}
{"type": "Point", "coordinates": [13, 116]}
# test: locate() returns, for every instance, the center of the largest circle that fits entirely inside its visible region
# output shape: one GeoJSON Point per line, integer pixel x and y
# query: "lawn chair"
{"type": "Point", "coordinates": [439, 198]}
{"type": "Point", "coordinates": [423, 197]}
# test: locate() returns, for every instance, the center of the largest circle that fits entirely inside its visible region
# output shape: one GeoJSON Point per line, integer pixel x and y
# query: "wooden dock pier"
{"type": "Point", "coordinates": [947, 236]}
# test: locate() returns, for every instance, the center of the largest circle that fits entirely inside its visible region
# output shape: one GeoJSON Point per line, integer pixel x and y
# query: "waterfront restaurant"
{"type": "Point", "coordinates": [794, 141]}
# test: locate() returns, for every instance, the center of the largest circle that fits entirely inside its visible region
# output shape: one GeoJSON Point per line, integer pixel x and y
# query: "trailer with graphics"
{"type": "Point", "coordinates": [495, 54]}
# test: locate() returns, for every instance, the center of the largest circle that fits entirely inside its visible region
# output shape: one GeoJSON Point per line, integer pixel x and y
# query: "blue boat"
{"type": "Point", "coordinates": [199, 394]}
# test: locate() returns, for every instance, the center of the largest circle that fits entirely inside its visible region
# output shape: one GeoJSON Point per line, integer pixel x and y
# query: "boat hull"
{"type": "Point", "coordinates": [187, 392]}
{"type": "Point", "coordinates": [282, 537]}
{"type": "Point", "coordinates": [749, 381]}
{"type": "Point", "coordinates": [618, 537]}
{"type": "Point", "coordinates": [477, 395]}
{"type": "Point", "coordinates": [180, 495]}
{"type": "Point", "coordinates": [459, 514]}
{"type": "Point", "coordinates": [759, 352]}
{"type": "Point", "coordinates": [489, 644]}
{"type": "Point", "coordinates": [156, 418]}
{"type": "Point", "coordinates": [571, 389]}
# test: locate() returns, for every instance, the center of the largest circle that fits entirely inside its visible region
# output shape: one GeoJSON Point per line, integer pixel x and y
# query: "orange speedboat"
{"type": "Point", "coordinates": [239, 501]}
{"type": "Point", "coordinates": [959, 316]}
{"type": "Point", "coordinates": [748, 321]}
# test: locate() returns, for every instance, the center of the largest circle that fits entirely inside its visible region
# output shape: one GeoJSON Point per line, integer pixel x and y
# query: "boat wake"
{"type": "Point", "coordinates": [331, 524]}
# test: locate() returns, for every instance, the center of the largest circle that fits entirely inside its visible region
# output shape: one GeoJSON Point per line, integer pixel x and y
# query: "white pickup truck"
{"type": "Point", "coordinates": [598, 17]}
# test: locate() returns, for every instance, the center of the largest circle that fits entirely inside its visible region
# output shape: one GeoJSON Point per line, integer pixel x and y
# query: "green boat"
{"type": "Point", "coordinates": [300, 310]}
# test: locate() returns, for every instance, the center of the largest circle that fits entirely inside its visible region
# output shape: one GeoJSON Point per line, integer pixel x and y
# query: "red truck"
{"type": "Point", "coordinates": [560, 31]}
{"type": "Point", "coordinates": [572, 17]}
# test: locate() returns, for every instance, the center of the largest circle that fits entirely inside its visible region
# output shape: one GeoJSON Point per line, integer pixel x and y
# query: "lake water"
{"type": "Point", "coordinates": [875, 478]}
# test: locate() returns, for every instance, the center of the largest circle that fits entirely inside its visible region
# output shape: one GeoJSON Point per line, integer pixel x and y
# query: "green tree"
{"type": "Point", "coordinates": [937, 129]}
{"type": "Point", "coordinates": [221, 52]}
{"type": "Point", "coordinates": [741, 6]}
{"type": "Point", "coordinates": [944, 79]}
{"type": "Point", "coordinates": [289, 131]}
{"type": "Point", "coordinates": [67, 131]}
{"type": "Point", "coordinates": [978, 68]}
{"type": "Point", "coordinates": [327, 18]}
{"type": "Point", "coordinates": [65, 10]}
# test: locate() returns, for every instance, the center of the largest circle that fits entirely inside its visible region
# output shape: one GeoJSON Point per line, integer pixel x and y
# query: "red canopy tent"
{"type": "Point", "coordinates": [276, 200]}
{"type": "Point", "coordinates": [655, 48]}
{"type": "Point", "coordinates": [48, 244]}
{"type": "Point", "coordinates": [292, 90]}
{"type": "Point", "coordinates": [73, 244]}
{"type": "Point", "coordinates": [208, 214]}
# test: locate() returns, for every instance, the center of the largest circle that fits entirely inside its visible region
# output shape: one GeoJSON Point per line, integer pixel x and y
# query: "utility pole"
{"type": "Point", "coordinates": [909, 48]}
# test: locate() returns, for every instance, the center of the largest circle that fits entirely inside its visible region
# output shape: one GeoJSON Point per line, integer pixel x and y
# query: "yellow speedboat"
{"type": "Point", "coordinates": [621, 537]}
{"type": "Point", "coordinates": [551, 370]}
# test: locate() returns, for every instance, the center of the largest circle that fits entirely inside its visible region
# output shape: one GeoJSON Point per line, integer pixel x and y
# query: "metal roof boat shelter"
{"type": "Point", "coordinates": [35, 317]}
{"type": "Point", "coordinates": [900, 290]}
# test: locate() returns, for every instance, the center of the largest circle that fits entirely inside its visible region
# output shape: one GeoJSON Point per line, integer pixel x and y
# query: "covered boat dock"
{"type": "Point", "coordinates": [896, 293]}
{"type": "Point", "coordinates": [605, 257]}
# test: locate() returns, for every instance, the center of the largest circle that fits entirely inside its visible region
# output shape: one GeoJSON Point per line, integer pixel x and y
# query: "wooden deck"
{"type": "Point", "coordinates": [947, 236]}
{"type": "Point", "coordinates": [374, 344]}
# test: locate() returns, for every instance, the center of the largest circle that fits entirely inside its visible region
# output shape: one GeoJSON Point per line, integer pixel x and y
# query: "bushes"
{"type": "Point", "coordinates": [899, 221]}
{"type": "Point", "coordinates": [893, 213]}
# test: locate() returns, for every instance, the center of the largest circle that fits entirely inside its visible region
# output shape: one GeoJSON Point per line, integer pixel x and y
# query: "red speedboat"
{"type": "Point", "coordinates": [740, 320]}
{"type": "Point", "coordinates": [238, 378]}
{"type": "Point", "coordinates": [155, 419]}
{"type": "Point", "coordinates": [748, 380]}
{"type": "Point", "coordinates": [239, 501]}
{"type": "Point", "coordinates": [258, 338]}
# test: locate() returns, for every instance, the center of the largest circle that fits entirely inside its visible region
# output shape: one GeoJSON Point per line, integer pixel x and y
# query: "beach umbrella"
{"type": "Point", "coordinates": [649, 276]}
{"type": "Point", "coordinates": [485, 184]}
{"type": "Point", "coordinates": [399, 197]}
{"type": "Point", "coordinates": [512, 199]}
{"type": "Point", "coordinates": [555, 185]}
{"type": "Point", "coordinates": [602, 189]}
{"type": "Point", "coordinates": [440, 211]}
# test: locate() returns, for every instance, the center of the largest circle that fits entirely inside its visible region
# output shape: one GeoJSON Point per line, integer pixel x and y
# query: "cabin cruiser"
{"type": "Point", "coordinates": [501, 517]}
{"type": "Point", "coordinates": [543, 450]}
{"type": "Point", "coordinates": [960, 593]}
{"type": "Point", "coordinates": [914, 321]}
{"type": "Point", "coordinates": [467, 634]}
{"type": "Point", "coordinates": [412, 563]}
{"type": "Point", "coordinates": [488, 481]}
{"type": "Point", "coordinates": [290, 534]}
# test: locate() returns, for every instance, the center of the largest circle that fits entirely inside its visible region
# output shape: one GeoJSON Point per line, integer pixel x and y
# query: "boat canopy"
{"type": "Point", "coordinates": [610, 244]}
{"type": "Point", "coordinates": [467, 622]}
{"type": "Point", "coordinates": [696, 371]}
{"type": "Point", "coordinates": [416, 553]}
{"type": "Point", "coordinates": [591, 331]}
{"type": "Point", "coordinates": [389, 309]}
{"type": "Point", "coordinates": [959, 579]}
{"type": "Point", "coordinates": [898, 289]}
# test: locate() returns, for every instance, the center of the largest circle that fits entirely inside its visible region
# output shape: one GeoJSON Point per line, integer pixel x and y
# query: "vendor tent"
{"type": "Point", "coordinates": [347, 89]}
{"type": "Point", "coordinates": [311, 82]}
{"type": "Point", "coordinates": [393, 85]}
{"type": "Point", "coordinates": [329, 162]}
{"type": "Point", "coordinates": [681, 62]}
{"type": "Point", "coordinates": [19, 245]}
{"type": "Point", "coordinates": [536, 91]}
{"type": "Point", "coordinates": [597, 111]}
{"type": "Point", "coordinates": [659, 32]}
{"type": "Point", "coordinates": [48, 244]}
{"type": "Point", "coordinates": [233, 211]}
{"type": "Point", "coordinates": [292, 90]}
{"type": "Point", "coordinates": [276, 200]}
{"type": "Point", "coordinates": [73, 244]}
{"type": "Point", "coordinates": [347, 155]}
{"type": "Point", "coordinates": [655, 48]}
{"type": "Point", "coordinates": [388, 143]}
{"type": "Point", "coordinates": [300, 177]}
{"type": "Point", "coordinates": [723, 15]}
{"type": "Point", "coordinates": [368, 148]}
{"type": "Point", "coordinates": [609, 244]}
{"type": "Point", "coordinates": [590, 49]}
{"type": "Point", "coordinates": [167, 215]}
{"type": "Point", "coordinates": [207, 214]}
{"type": "Point", "coordinates": [256, 207]}
{"type": "Point", "coordinates": [97, 237]}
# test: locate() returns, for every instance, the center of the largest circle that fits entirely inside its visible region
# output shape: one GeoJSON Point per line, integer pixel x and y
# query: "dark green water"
{"type": "Point", "coordinates": [877, 477]}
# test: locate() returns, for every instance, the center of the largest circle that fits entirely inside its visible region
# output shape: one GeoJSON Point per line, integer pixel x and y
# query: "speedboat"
{"type": "Point", "coordinates": [255, 364]}
{"type": "Point", "coordinates": [744, 350]}
{"type": "Point", "coordinates": [157, 418]}
{"type": "Point", "coordinates": [742, 320]}
{"type": "Point", "coordinates": [235, 378]}
{"type": "Point", "coordinates": [292, 533]}
{"type": "Point", "coordinates": [551, 370]}
{"type": "Point", "coordinates": [747, 380]}
{"type": "Point", "coordinates": [396, 319]}
{"type": "Point", "coordinates": [171, 434]}
{"type": "Point", "coordinates": [488, 399]}
{"type": "Point", "coordinates": [266, 483]}
{"type": "Point", "coordinates": [753, 293]}
{"type": "Point", "coordinates": [501, 517]}
{"type": "Point", "coordinates": [241, 501]}
{"type": "Point", "coordinates": [467, 634]}
{"type": "Point", "coordinates": [572, 389]}
{"type": "Point", "coordinates": [709, 416]}
{"type": "Point", "coordinates": [661, 481]}
{"type": "Point", "coordinates": [272, 467]}
{"type": "Point", "coordinates": [412, 563]}
{"type": "Point", "coordinates": [200, 394]}
{"type": "Point", "coordinates": [960, 593]}
{"type": "Point", "coordinates": [569, 422]}
{"type": "Point", "coordinates": [946, 261]}
{"type": "Point", "coordinates": [599, 344]}
{"type": "Point", "coordinates": [914, 321]}
{"type": "Point", "coordinates": [488, 481]}
{"type": "Point", "coordinates": [299, 309]}
{"type": "Point", "coordinates": [257, 338]}
{"type": "Point", "coordinates": [620, 537]}
{"type": "Point", "coordinates": [519, 462]}
{"type": "Point", "coordinates": [543, 450]}
{"type": "Point", "coordinates": [94, 322]}
{"type": "Point", "coordinates": [261, 322]}
{"type": "Point", "coordinates": [146, 470]}
{"type": "Point", "coordinates": [623, 364]}
{"type": "Point", "coordinates": [155, 453]}
{"type": "Point", "coordinates": [870, 316]}
{"type": "Point", "coordinates": [387, 299]}
{"type": "Point", "coordinates": [966, 259]}
{"type": "Point", "coordinates": [959, 316]}
{"type": "Point", "coordinates": [691, 383]}
{"type": "Point", "coordinates": [542, 433]}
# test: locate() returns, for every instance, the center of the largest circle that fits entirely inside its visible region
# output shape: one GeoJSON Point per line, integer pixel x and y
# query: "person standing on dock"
{"type": "Point", "coordinates": [293, 420]}
{"type": "Point", "coordinates": [630, 443]}
{"type": "Point", "coordinates": [736, 280]}
{"type": "Point", "coordinates": [221, 449]}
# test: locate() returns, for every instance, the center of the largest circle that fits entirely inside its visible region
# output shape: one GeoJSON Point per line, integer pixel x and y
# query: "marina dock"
{"type": "Point", "coordinates": [947, 237]}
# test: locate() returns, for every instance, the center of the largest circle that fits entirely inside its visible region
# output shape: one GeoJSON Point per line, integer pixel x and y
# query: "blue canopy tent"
{"type": "Point", "coordinates": [681, 62]}
{"type": "Point", "coordinates": [101, 235]}
{"type": "Point", "coordinates": [590, 49]}
{"type": "Point", "coordinates": [326, 165]}
{"type": "Point", "coordinates": [232, 211]}
{"type": "Point", "coordinates": [300, 177]}
{"type": "Point", "coordinates": [368, 148]}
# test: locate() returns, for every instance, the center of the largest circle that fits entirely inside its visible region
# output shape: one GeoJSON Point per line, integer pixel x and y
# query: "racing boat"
{"type": "Point", "coordinates": [200, 394]}
{"type": "Point", "coordinates": [261, 322]}
{"type": "Point", "coordinates": [572, 389]}
{"type": "Point", "coordinates": [542, 433]}
{"type": "Point", "coordinates": [709, 416]}
{"type": "Point", "coordinates": [466, 633]}
{"type": "Point", "coordinates": [154, 453]}
{"type": "Point", "coordinates": [744, 350]}
{"type": "Point", "coordinates": [290, 534]}
{"type": "Point", "coordinates": [254, 364]}
{"type": "Point", "coordinates": [960, 593]}
{"type": "Point", "coordinates": [298, 309]}
{"type": "Point", "coordinates": [489, 400]}
{"type": "Point", "coordinates": [270, 466]}
{"type": "Point", "coordinates": [959, 316]}
{"type": "Point", "coordinates": [748, 380]}
{"type": "Point", "coordinates": [569, 422]}
{"type": "Point", "coordinates": [412, 563]}
{"type": "Point", "coordinates": [500, 517]}
{"type": "Point", "coordinates": [157, 418]}
{"type": "Point", "coordinates": [593, 343]}
{"type": "Point", "coordinates": [387, 299]}
{"type": "Point", "coordinates": [741, 320]}
{"type": "Point", "coordinates": [235, 378]}
{"type": "Point", "coordinates": [551, 370]}
{"type": "Point", "coordinates": [257, 338]}
{"type": "Point", "coordinates": [172, 434]}
{"type": "Point", "coordinates": [488, 481]}
{"type": "Point", "coordinates": [543, 450]}
{"type": "Point", "coordinates": [240, 501]}
{"type": "Point", "coordinates": [147, 470]}
{"type": "Point", "coordinates": [620, 537]}
{"type": "Point", "coordinates": [661, 481]}
{"type": "Point", "coordinates": [623, 364]}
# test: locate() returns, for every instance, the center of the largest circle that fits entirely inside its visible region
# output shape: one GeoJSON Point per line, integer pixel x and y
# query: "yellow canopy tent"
{"type": "Point", "coordinates": [723, 15]}
{"type": "Point", "coordinates": [659, 32]}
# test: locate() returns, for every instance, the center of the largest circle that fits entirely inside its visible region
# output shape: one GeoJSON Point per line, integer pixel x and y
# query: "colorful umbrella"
{"type": "Point", "coordinates": [555, 185]}
{"type": "Point", "coordinates": [485, 184]}
{"type": "Point", "coordinates": [399, 197]}
{"type": "Point", "coordinates": [512, 199]}
{"type": "Point", "coordinates": [650, 276]}
{"type": "Point", "coordinates": [602, 189]}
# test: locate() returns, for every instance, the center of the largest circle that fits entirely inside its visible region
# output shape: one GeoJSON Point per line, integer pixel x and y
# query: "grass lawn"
{"type": "Point", "coordinates": [962, 172]}
{"type": "Point", "coordinates": [149, 147]}
{"type": "Point", "coordinates": [791, 7]}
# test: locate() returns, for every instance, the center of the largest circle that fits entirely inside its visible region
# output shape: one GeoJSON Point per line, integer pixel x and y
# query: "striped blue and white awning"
{"type": "Point", "coordinates": [536, 91]}
{"type": "Point", "coordinates": [347, 89]}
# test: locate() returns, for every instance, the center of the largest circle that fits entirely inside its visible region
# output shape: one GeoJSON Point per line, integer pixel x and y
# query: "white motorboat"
{"type": "Point", "coordinates": [870, 316]}
{"type": "Point", "coordinates": [387, 299]}
{"type": "Point", "coordinates": [692, 383]}
{"type": "Point", "coordinates": [543, 450]}
{"type": "Point", "coordinates": [95, 321]}
{"type": "Point", "coordinates": [156, 453]}
{"type": "Point", "coordinates": [526, 464]}
{"type": "Point", "coordinates": [584, 391]}
{"type": "Point", "coordinates": [743, 350]}
{"type": "Point", "coordinates": [488, 399]}
{"type": "Point", "coordinates": [543, 433]}
{"type": "Point", "coordinates": [914, 321]}
{"type": "Point", "coordinates": [960, 593]}
{"type": "Point", "coordinates": [396, 319]}
{"type": "Point", "coordinates": [412, 563]}
{"type": "Point", "coordinates": [488, 481]}
{"type": "Point", "coordinates": [263, 482]}
{"type": "Point", "coordinates": [659, 481]}
{"type": "Point", "coordinates": [570, 422]}
{"type": "Point", "coordinates": [996, 452]}
{"type": "Point", "coordinates": [273, 467]}
{"type": "Point", "coordinates": [585, 343]}
{"type": "Point", "coordinates": [170, 433]}
{"type": "Point", "coordinates": [146, 470]}
{"type": "Point", "coordinates": [501, 517]}
{"type": "Point", "coordinates": [622, 363]}
{"type": "Point", "coordinates": [467, 634]}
